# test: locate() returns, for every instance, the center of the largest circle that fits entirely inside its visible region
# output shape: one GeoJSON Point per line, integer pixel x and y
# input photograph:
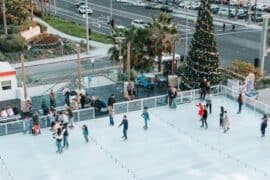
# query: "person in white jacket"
{"type": "Point", "coordinates": [226, 122]}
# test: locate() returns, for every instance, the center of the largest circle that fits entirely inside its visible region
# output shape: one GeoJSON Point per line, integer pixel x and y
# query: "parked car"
{"type": "Point", "coordinates": [153, 6]}
{"type": "Point", "coordinates": [243, 15]}
{"type": "Point", "coordinates": [139, 24]}
{"type": "Point", "coordinates": [257, 18]}
{"type": "Point", "coordinates": [79, 3]}
{"type": "Point", "coordinates": [82, 10]}
{"type": "Point", "coordinates": [223, 12]}
{"type": "Point", "coordinates": [138, 3]}
{"type": "Point", "coordinates": [214, 8]}
{"type": "Point", "coordinates": [195, 5]}
{"type": "Point", "coordinates": [262, 7]}
{"type": "Point", "coordinates": [122, 1]}
{"type": "Point", "coordinates": [166, 9]}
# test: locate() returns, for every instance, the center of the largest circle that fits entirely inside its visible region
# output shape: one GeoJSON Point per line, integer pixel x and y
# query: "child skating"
{"type": "Point", "coordinates": [226, 122]}
{"type": "Point", "coordinates": [85, 133]}
{"type": "Point", "coordinates": [111, 117]}
{"type": "Point", "coordinates": [201, 110]}
{"type": "Point", "coordinates": [146, 117]}
{"type": "Point", "coordinates": [59, 138]}
{"type": "Point", "coordinates": [264, 124]}
{"type": "Point", "coordinates": [125, 127]}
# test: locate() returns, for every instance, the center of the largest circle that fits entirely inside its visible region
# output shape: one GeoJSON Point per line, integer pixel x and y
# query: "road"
{"type": "Point", "coordinates": [244, 44]}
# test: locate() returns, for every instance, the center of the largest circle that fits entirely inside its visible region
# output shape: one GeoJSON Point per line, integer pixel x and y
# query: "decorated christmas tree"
{"type": "Point", "coordinates": [203, 57]}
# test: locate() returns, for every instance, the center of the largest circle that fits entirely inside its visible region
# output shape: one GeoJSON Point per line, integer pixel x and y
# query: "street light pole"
{"type": "Point", "coordinates": [249, 11]}
{"type": "Point", "coordinates": [186, 48]}
{"type": "Point", "coordinates": [23, 77]}
{"type": "Point", "coordinates": [111, 4]}
{"type": "Point", "coordinates": [54, 4]}
{"type": "Point", "coordinates": [87, 27]}
{"type": "Point", "coordinates": [173, 60]}
{"type": "Point", "coordinates": [78, 67]}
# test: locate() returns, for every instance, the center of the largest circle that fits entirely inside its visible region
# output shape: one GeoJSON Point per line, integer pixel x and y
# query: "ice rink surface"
{"type": "Point", "coordinates": [173, 148]}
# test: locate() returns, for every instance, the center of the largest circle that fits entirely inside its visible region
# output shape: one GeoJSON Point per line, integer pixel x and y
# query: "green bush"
{"type": "Point", "coordinates": [2, 57]}
{"type": "Point", "coordinates": [11, 43]}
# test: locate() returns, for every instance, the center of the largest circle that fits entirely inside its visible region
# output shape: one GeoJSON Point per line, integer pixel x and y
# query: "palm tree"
{"type": "Point", "coordinates": [4, 17]}
{"type": "Point", "coordinates": [163, 33]}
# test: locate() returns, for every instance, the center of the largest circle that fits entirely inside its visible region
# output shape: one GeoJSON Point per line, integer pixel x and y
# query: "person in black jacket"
{"type": "Point", "coordinates": [82, 100]}
{"type": "Point", "coordinates": [264, 124]}
{"type": "Point", "coordinates": [204, 118]}
{"type": "Point", "coordinates": [125, 127]}
{"type": "Point", "coordinates": [240, 102]}
{"type": "Point", "coordinates": [111, 101]}
{"type": "Point", "coordinates": [203, 88]}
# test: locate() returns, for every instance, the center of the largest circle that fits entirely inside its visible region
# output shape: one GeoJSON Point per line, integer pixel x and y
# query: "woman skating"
{"type": "Point", "coordinates": [146, 117]}
{"type": "Point", "coordinates": [59, 138]}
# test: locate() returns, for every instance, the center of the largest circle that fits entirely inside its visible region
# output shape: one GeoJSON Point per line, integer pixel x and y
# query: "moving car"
{"type": "Point", "coordinates": [152, 6]}
{"type": "Point", "coordinates": [139, 24]}
{"type": "Point", "coordinates": [166, 9]}
{"type": "Point", "coordinates": [195, 5]}
{"type": "Point", "coordinates": [82, 10]}
{"type": "Point", "coordinates": [79, 3]}
{"type": "Point", "coordinates": [138, 3]}
{"type": "Point", "coordinates": [122, 1]}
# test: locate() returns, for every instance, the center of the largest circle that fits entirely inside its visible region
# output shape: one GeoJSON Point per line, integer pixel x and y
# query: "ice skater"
{"type": "Point", "coordinates": [111, 117]}
{"type": "Point", "coordinates": [125, 127]}
{"type": "Point", "coordinates": [221, 116]}
{"type": "Point", "coordinates": [59, 138]}
{"type": "Point", "coordinates": [240, 102]}
{"type": "Point", "coordinates": [85, 133]}
{"type": "Point", "coordinates": [204, 118]}
{"type": "Point", "coordinates": [208, 99]}
{"type": "Point", "coordinates": [65, 136]}
{"type": "Point", "coordinates": [264, 124]}
{"type": "Point", "coordinates": [146, 117]}
{"type": "Point", "coordinates": [201, 110]}
{"type": "Point", "coordinates": [226, 122]}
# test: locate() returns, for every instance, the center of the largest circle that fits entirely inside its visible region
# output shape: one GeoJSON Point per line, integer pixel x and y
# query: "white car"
{"type": "Point", "coordinates": [122, 1]}
{"type": "Point", "coordinates": [195, 5]}
{"type": "Point", "coordinates": [262, 7]}
{"type": "Point", "coordinates": [139, 24]}
{"type": "Point", "coordinates": [223, 12]}
{"type": "Point", "coordinates": [82, 10]}
{"type": "Point", "coordinates": [138, 4]}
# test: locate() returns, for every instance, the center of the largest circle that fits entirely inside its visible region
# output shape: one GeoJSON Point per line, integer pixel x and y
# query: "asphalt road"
{"type": "Point", "coordinates": [244, 44]}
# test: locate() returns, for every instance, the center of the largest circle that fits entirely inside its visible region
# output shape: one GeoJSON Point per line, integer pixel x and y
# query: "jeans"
{"type": "Point", "coordinates": [210, 107]}
{"type": "Point", "coordinates": [263, 127]}
{"type": "Point", "coordinates": [125, 133]}
{"type": "Point", "coordinates": [240, 107]}
{"type": "Point", "coordinates": [145, 123]}
{"type": "Point", "coordinates": [86, 139]}
{"type": "Point", "coordinates": [59, 146]}
{"type": "Point", "coordinates": [65, 142]}
{"type": "Point", "coordinates": [204, 122]}
{"type": "Point", "coordinates": [111, 120]}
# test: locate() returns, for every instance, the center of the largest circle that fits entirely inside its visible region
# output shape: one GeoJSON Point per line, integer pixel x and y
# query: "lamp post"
{"type": "Point", "coordinates": [86, 27]}
{"type": "Point", "coordinates": [54, 4]}
{"type": "Point", "coordinates": [92, 61]}
{"type": "Point", "coordinates": [78, 66]}
{"type": "Point", "coordinates": [120, 40]}
{"type": "Point", "coordinates": [111, 4]}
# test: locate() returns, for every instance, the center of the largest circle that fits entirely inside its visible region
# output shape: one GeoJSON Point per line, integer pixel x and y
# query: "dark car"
{"type": "Point", "coordinates": [243, 15]}
{"type": "Point", "coordinates": [256, 18]}
{"type": "Point", "coordinates": [166, 9]}
{"type": "Point", "coordinates": [150, 6]}
{"type": "Point", "coordinates": [79, 3]}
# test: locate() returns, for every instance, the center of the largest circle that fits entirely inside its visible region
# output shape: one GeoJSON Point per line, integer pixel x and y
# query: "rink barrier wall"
{"type": "Point", "coordinates": [20, 126]}
{"type": "Point", "coordinates": [24, 126]}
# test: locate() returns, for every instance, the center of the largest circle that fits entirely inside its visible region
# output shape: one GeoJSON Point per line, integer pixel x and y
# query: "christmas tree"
{"type": "Point", "coordinates": [203, 57]}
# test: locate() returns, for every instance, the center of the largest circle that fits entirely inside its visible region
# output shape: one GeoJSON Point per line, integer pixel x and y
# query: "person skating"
{"type": "Point", "coordinates": [59, 138]}
{"type": "Point", "coordinates": [204, 117]}
{"type": "Point", "coordinates": [125, 127]}
{"type": "Point", "coordinates": [201, 110]}
{"type": "Point", "coordinates": [208, 99]}
{"type": "Point", "coordinates": [65, 136]}
{"type": "Point", "coordinates": [82, 100]}
{"type": "Point", "coordinates": [146, 117]}
{"type": "Point", "coordinates": [203, 88]}
{"type": "Point", "coordinates": [111, 101]}
{"type": "Point", "coordinates": [264, 124]}
{"type": "Point", "coordinates": [240, 102]}
{"type": "Point", "coordinates": [85, 133]}
{"type": "Point", "coordinates": [221, 116]}
{"type": "Point", "coordinates": [226, 122]}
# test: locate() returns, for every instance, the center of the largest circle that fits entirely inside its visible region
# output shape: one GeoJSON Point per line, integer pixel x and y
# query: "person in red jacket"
{"type": "Point", "coordinates": [201, 110]}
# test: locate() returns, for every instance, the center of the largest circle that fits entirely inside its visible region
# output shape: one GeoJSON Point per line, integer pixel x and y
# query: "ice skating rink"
{"type": "Point", "coordinates": [174, 148]}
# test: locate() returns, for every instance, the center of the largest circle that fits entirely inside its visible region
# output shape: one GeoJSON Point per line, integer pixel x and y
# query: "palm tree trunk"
{"type": "Point", "coordinates": [4, 17]}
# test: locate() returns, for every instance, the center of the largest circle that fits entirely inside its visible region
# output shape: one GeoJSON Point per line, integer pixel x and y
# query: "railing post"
{"type": "Point", "coordinates": [6, 129]}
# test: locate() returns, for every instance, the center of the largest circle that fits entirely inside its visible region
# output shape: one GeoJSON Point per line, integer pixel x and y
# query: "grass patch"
{"type": "Point", "coordinates": [74, 29]}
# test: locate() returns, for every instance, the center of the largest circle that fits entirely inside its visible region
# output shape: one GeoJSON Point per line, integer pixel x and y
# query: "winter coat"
{"type": "Point", "coordinates": [201, 109]}
{"type": "Point", "coordinates": [145, 115]}
{"type": "Point", "coordinates": [124, 123]}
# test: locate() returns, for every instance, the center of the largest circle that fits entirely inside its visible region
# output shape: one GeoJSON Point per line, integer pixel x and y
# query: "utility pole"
{"type": "Point", "coordinates": [128, 60]}
{"type": "Point", "coordinates": [23, 77]}
{"type": "Point", "coordinates": [173, 59]}
{"type": "Point", "coordinates": [54, 4]}
{"type": "Point", "coordinates": [78, 67]}
{"type": "Point", "coordinates": [249, 11]}
{"type": "Point", "coordinates": [87, 27]}
{"type": "Point", "coordinates": [4, 17]}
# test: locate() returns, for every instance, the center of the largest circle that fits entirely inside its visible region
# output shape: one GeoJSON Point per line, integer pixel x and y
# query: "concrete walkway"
{"type": "Point", "coordinates": [99, 50]}
{"type": "Point", "coordinates": [264, 95]}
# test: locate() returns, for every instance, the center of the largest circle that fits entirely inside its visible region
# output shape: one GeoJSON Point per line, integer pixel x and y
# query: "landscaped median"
{"type": "Point", "coordinates": [74, 29]}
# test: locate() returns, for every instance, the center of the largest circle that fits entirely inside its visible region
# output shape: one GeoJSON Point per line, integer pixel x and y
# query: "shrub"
{"type": "Point", "coordinates": [2, 57]}
{"type": "Point", "coordinates": [11, 43]}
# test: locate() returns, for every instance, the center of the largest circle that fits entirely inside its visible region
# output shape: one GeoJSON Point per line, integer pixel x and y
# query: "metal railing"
{"type": "Point", "coordinates": [23, 126]}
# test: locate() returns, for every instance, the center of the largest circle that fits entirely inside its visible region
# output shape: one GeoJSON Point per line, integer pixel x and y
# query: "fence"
{"type": "Point", "coordinates": [20, 126]}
